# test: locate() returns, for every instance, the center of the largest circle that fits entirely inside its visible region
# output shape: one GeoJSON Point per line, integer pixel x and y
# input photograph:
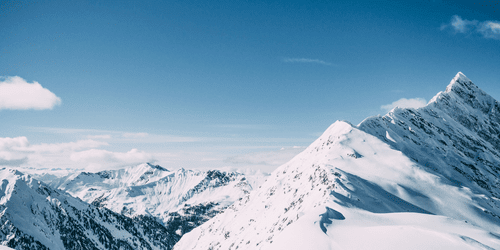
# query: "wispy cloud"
{"type": "Point", "coordinates": [487, 29]}
{"type": "Point", "coordinates": [134, 135]}
{"type": "Point", "coordinates": [71, 130]}
{"type": "Point", "coordinates": [306, 60]}
{"type": "Point", "coordinates": [242, 126]}
{"type": "Point", "coordinates": [16, 93]}
{"type": "Point", "coordinates": [405, 103]}
{"type": "Point", "coordinates": [118, 136]}
{"type": "Point", "coordinates": [65, 146]}
{"type": "Point", "coordinates": [99, 136]}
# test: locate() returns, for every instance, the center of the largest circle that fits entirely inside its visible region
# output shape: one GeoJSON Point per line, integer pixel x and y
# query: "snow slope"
{"type": "Point", "coordinates": [389, 183]}
{"type": "Point", "coordinates": [181, 199]}
{"type": "Point", "coordinates": [35, 216]}
{"type": "Point", "coordinates": [459, 129]}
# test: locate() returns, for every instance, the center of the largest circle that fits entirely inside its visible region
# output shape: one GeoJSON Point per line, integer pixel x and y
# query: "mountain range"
{"type": "Point", "coordinates": [425, 178]}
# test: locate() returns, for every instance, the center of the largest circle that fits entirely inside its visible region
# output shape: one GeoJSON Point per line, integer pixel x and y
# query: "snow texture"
{"type": "Point", "coordinates": [181, 199]}
{"type": "Point", "coordinates": [35, 216]}
{"type": "Point", "coordinates": [416, 178]}
{"type": "Point", "coordinates": [425, 178]}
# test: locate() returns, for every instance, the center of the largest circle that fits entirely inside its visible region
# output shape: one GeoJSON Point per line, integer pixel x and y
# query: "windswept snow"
{"type": "Point", "coordinates": [408, 180]}
{"type": "Point", "coordinates": [152, 190]}
{"type": "Point", "coordinates": [35, 216]}
{"type": "Point", "coordinates": [425, 178]}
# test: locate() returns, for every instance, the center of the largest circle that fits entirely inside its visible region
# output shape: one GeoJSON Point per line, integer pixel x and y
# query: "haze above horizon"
{"type": "Point", "coordinates": [221, 83]}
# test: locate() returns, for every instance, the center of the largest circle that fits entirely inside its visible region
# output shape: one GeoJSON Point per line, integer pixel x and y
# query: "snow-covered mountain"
{"type": "Point", "coordinates": [422, 178]}
{"type": "Point", "coordinates": [181, 199]}
{"type": "Point", "coordinates": [456, 135]}
{"type": "Point", "coordinates": [36, 216]}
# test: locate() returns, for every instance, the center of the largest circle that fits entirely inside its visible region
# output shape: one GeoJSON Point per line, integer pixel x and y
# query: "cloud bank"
{"type": "Point", "coordinates": [405, 103]}
{"type": "Point", "coordinates": [16, 93]}
{"type": "Point", "coordinates": [18, 152]}
{"type": "Point", "coordinates": [306, 60]}
{"type": "Point", "coordinates": [487, 29]}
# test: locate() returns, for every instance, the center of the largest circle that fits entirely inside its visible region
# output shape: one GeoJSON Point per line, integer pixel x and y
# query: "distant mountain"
{"type": "Point", "coordinates": [424, 178]}
{"type": "Point", "coordinates": [36, 216]}
{"type": "Point", "coordinates": [181, 200]}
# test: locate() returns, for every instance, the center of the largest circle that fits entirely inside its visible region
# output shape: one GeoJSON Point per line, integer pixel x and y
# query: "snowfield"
{"type": "Point", "coordinates": [426, 178]}
{"type": "Point", "coordinates": [371, 187]}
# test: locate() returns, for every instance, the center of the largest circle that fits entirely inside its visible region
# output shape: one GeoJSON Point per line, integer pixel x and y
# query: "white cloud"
{"type": "Point", "coordinates": [8, 142]}
{"type": "Point", "coordinates": [18, 151]}
{"type": "Point", "coordinates": [490, 29]}
{"type": "Point", "coordinates": [97, 159]}
{"type": "Point", "coordinates": [16, 93]}
{"type": "Point", "coordinates": [306, 60]}
{"type": "Point", "coordinates": [76, 155]}
{"type": "Point", "coordinates": [11, 150]}
{"type": "Point", "coordinates": [487, 29]}
{"type": "Point", "coordinates": [120, 136]}
{"type": "Point", "coordinates": [405, 103]}
{"type": "Point", "coordinates": [461, 25]}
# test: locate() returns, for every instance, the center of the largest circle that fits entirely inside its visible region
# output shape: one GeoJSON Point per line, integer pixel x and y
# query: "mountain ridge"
{"type": "Point", "coordinates": [35, 216]}
{"type": "Point", "coordinates": [381, 174]}
{"type": "Point", "coordinates": [429, 176]}
{"type": "Point", "coordinates": [181, 199]}
{"type": "Point", "coordinates": [447, 128]}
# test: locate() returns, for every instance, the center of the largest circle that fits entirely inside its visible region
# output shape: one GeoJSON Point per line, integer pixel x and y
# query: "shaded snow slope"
{"type": "Point", "coordinates": [356, 190]}
{"type": "Point", "coordinates": [456, 135]}
{"type": "Point", "coordinates": [181, 199]}
{"type": "Point", "coordinates": [35, 216]}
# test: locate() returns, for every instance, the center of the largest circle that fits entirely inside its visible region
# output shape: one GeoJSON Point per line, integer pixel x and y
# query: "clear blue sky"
{"type": "Point", "coordinates": [208, 81]}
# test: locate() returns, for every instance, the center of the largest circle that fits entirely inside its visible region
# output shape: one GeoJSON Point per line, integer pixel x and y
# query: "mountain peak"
{"type": "Point", "coordinates": [460, 81]}
{"type": "Point", "coordinates": [462, 91]}
{"type": "Point", "coordinates": [461, 125]}
{"type": "Point", "coordinates": [157, 167]}
{"type": "Point", "coordinates": [36, 216]}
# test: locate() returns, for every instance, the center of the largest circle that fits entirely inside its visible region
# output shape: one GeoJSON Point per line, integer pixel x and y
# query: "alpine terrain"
{"type": "Point", "coordinates": [180, 200]}
{"type": "Point", "coordinates": [425, 178]}
{"type": "Point", "coordinates": [35, 216]}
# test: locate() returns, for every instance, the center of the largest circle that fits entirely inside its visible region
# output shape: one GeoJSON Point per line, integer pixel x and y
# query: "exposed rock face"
{"type": "Point", "coordinates": [429, 176]}
{"type": "Point", "coordinates": [457, 135]}
{"type": "Point", "coordinates": [181, 199]}
{"type": "Point", "coordinates": [35, 216]}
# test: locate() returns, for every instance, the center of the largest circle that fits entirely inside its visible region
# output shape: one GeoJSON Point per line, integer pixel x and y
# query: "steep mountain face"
{"type": "Point", "coordinates": [409, 180]}
{"type": "Point", "coordinates": [457, 135]}
{"type": "Point", "coordinates": [36, 216]}
{"type": "Point", "coordinates": [182, 200]}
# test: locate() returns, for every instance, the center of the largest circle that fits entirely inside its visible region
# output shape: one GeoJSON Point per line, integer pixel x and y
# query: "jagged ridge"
{"type": "Point", "coordinates": [35, 216]}
{"type": "Point", "coordinates": [181, 199]}
{"type": "Point", "coordinates": [459, 128]}
{"type": "Point", "coordinates": [368, 186]}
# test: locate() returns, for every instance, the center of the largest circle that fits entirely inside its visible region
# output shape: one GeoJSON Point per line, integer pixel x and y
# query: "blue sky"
{"type": "Point", "coordinates": [225, 83]}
